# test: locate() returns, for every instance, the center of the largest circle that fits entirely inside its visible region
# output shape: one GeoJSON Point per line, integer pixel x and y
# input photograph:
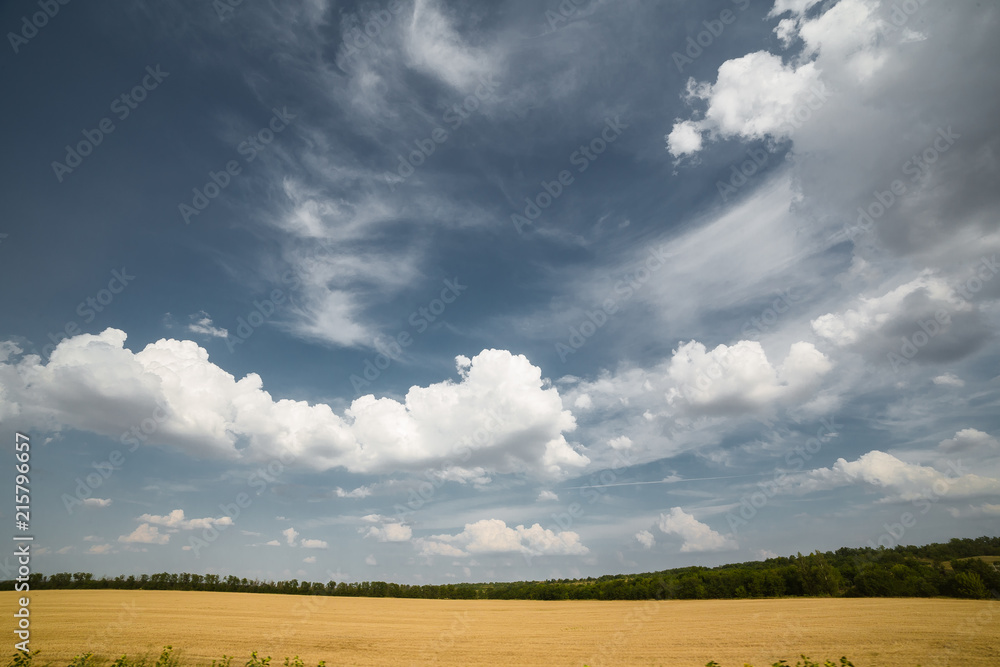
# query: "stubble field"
{"type": "Point", "coordinates": [202, 626]}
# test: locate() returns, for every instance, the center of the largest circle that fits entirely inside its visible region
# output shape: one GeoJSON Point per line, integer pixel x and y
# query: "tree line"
{"type": "Point", "coordinates": [953, 569]}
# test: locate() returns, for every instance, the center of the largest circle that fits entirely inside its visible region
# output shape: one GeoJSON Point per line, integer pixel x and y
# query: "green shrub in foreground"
{"type": "Point", "coordinates": [166, 659]}
{"type": "Point", "coordinates": [806, 662]}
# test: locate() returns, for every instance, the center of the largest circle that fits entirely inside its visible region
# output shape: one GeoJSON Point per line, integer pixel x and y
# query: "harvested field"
{"type": "Point", "coordinates": [202, 626]}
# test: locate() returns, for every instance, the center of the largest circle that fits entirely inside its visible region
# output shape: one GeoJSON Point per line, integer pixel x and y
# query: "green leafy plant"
{"type": "Point", "coordinates": [22, 658]}
{"type": "Point", "coordinates": [970, 585]}
{"type": "Point", "coordinates": [805, 662]}
{"type": "Point", "coordinates": [166, 659]}
{"type": "Point", "coordinates": [82, 660]}
{"type": "Point", "coordinates": [257, 661]}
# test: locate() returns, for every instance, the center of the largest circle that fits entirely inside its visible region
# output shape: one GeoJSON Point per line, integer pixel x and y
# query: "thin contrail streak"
{"type": "Point", "coordinates": [662, 481]}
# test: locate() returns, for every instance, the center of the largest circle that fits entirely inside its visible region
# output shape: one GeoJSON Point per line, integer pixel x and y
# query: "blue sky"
{"type": "Point", "coordinates": [433, 291]}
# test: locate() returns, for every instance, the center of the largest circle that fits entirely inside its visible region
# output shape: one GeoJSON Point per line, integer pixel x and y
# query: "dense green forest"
{"type": "Point", "coordinates": [954, 569]}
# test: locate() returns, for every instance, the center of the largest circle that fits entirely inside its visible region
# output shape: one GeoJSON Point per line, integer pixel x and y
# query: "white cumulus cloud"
{"type": "Point", "coordinates": [314, 544]}
{"type": "Point", "coordinates": [621, 442]}
{"type": "Point", "coordinates": [901, 481]}
{"type": "Point", "coordinates": [360, 492]}
{"type": "Point", "coordinates": [697, 536]}
{"type": "Point", "coordinates": [739, 377]}
{"type": "Point", "coordinates": [176, 520]}
{"type": "Point", "coordinates": [949, 380]}
{"type": "Point", "coordinates": [986, 509]}
{"type": "Point", "coordinates": [390, 532]}
{"type": "Point", "coordinates": [645, 538]}
{"type": "Point", "coordinates": [970, 440]}
{"type": "Point", "coordinates": [500, 417]}
{"type": "Point", "coordinates": [201, 323]}
{"type": "Point", "coordinates": [145, 534]}
{"type": "Point", "coordinates": [494, 536]}
{"type": "Point", "coordinates": [761, 95]}
{"type": "Point", "coordinates": [922, 320]}
{"type": "Point", "coordinates": [754, 97]}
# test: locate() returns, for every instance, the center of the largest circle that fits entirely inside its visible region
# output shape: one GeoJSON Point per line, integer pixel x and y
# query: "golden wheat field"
{"type": "Point", "coordinates": [202, 626]}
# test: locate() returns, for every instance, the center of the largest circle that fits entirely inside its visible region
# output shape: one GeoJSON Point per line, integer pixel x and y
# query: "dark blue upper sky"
{"type": "Point", "coordinates": [509, 290]}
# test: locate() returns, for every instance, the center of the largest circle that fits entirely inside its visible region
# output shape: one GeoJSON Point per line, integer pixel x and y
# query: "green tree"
{"type": "Point", "coordinates": [970, 585]}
